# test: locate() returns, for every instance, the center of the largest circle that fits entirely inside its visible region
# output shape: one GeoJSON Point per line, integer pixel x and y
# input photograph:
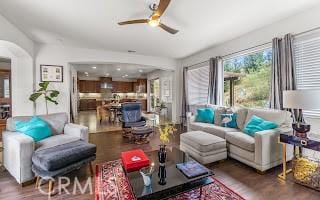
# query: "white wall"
{"type": "Point", "coordinates": [62, 55]}
{"type": "Point", "coordinates": [296, 24]}
{"type": "Point", "coordinates": [21, 76]}
{"type": "Point", "coordinates": [8, 32]}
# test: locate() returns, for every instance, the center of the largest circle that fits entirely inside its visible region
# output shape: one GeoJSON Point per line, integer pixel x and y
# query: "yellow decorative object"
{"type": "Point", "coordinates": [304, 168]}
{"type": "Point", "coordinates": [165, 133]}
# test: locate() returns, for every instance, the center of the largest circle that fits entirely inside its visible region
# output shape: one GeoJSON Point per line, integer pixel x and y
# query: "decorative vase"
{"type": "Point", "coordinates": [162, 154]}
{"type": "Point", "coordinates": [162, 175]}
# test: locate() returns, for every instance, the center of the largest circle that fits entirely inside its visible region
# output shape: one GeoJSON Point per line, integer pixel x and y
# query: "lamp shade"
{"type": "Point", "coordinates": [301, 99]}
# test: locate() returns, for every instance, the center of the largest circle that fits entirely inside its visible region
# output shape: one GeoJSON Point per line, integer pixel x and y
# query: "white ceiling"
{"type": "Point", "coordinates": [127, 71]}
{"type": "Point", "coordinates": [93, 23]}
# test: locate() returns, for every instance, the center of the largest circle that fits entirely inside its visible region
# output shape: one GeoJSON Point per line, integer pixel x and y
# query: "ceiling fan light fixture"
{"type": "Point", "coordinates": [154, 21]}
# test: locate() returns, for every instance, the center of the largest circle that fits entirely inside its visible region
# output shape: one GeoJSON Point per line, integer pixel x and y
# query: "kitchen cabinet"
{"type": "Point", "coordinates": [86, 86]}
{"type": "Point", "coordinates": [87, 104]}
{"type": "Point", "coordinates": [120, 86]}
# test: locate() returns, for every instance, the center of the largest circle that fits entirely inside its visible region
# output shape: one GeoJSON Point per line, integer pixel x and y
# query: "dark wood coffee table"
{"type": "Point", "coordinates": [177, 182]}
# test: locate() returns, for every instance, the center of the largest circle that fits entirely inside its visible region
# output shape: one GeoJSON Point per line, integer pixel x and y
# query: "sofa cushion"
{"type": "Point", "coordinates": [257, 124]}
{"type": "Point", "coordinates": [36, 128]}
{"type": "Point", "coordinates": [218, 111]}
{"type": "Point", "coordinates": [280, 117]}
{"type": "Point", "coordinates": [55, 141]}
{"type": "Point", "coordinates": [56, 121]}
{"type": "Point", "coordinates": [203, 141]}
{"type": "Point", "coordinates": [241, 140]}
{"type": "Point", "coordinates": [63, 155]}
{"type": "Point", "coordinates": [205, 115]}
{"type": "Point", "coordinates": [229, 120]}
{"type": "Point", "coordinates": [211, 128]}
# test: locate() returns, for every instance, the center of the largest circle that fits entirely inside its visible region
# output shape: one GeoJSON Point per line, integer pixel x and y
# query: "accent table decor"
{"type": "Point", "coordinates": [305, 171]}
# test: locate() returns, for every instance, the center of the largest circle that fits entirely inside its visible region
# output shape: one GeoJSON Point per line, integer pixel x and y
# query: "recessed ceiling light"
{"type": "Point", "coordinates": [86, 72]}
{"type": "Point", "coordinates": [118, 69]}
{"type": "Point", "coordinates": [126, 75]}
{"type": "Point", "coordinates": [140, 70]}
{"type": "Point", "coordinates": [94, 67]}
{"type": "Point", "coordinates": [107, 74]}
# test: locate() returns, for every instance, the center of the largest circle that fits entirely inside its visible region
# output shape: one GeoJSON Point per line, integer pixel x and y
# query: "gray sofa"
{"type": "Point", "coordinates": [261, 151]}
{"type": "Point", "coordinates": [18, 148]}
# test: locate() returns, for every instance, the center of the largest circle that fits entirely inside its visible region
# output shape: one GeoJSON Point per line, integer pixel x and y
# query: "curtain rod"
{"type": "Point", "coordinates": [298, 34]}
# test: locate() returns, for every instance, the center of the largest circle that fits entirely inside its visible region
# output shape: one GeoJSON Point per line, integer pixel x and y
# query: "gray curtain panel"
{"type": "Point", "coordinates": [283, 70]}
{"type": "Point", "coordinates": [215, 93]}
{"type": "Point", "coordinates": [184, 109]}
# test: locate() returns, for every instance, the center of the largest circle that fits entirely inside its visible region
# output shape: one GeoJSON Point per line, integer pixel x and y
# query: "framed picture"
{"type": "Point", "coordinates": [51, 73]}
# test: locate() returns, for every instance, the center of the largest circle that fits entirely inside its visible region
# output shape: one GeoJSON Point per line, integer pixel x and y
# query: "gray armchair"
{"type": "Point", "coordinates": [18, 147]}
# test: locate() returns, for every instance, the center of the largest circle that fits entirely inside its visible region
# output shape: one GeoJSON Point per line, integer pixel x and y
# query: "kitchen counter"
{"type": "Point", "coordinates": [92, 103]}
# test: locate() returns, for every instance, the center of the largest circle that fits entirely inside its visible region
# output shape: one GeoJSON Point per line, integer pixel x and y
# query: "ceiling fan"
{"type": "Point", "coordinates": [154, 19]}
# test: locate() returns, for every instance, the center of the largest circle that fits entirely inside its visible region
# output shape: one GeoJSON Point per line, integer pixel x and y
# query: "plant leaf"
{"type": "Point", "coordinates": [33, 97]}
{"type": "Point", "coordinates": [43, 85]}
{"type": "Point", "coordinates": [51, 100]}
{"type": "Point", "coordinates": [54, 93]}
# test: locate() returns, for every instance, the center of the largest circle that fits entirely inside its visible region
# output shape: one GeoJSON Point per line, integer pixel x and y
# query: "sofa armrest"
{"type": "Point", "coordinates": [76, 130]}
{"type": "Point", "coordinates": [267, 148]}
{"type": "Point", "coordinates": [18, 150]}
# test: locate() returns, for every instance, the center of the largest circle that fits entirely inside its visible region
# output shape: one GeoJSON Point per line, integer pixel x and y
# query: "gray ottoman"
{"type": "Point", "coordinates": [62, 159]}
{"type": "Point", "coordinates": [204, 147]}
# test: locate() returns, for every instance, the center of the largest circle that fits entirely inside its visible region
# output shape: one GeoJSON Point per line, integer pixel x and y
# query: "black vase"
{"type": "Point", "coordinates": [162, 174]}
{"type": "Point", "coordinates": [162, 154]}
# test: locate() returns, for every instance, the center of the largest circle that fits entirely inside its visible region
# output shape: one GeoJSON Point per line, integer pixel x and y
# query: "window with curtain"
{"type": "Point", "coordinates": [247, 79]}
{"type": "Point", "coordinates": [197, 85]}
{"type": "Point", "coordinates": [307, 60]}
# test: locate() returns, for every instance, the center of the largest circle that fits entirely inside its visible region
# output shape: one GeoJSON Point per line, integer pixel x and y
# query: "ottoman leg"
{"type": "Point", "coordinates": [51, 186]}
{"type": "Point", "coordinates": [38, 182]}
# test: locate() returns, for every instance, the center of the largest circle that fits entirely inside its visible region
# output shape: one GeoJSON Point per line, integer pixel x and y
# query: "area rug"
{"type": "Point", "coordinates": [111, 183]}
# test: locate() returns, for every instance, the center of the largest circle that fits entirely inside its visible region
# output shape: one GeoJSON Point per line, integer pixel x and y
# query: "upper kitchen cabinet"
{"type": "Point", "coordinates": [86, 86]}
{"type": "Point", "coordinates": [140, 86]}
{"type": "Point", "coordinates": [121, 86]}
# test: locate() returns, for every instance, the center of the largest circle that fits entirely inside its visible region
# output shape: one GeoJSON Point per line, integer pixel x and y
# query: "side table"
{"type": "Point", "coordinates": [298, 144]}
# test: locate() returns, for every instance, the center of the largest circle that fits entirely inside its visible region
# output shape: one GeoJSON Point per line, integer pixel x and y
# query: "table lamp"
{"type": "Point", "coordinates": [301, 100]}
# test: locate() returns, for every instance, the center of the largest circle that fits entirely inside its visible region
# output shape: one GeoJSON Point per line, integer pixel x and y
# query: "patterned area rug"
{"type": "Point", "coordinates": [112, 184]}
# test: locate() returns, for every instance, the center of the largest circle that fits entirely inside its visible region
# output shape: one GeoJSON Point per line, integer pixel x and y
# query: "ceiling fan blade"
{"type": "Point", "coordinates": [137, 21]}
{"type": "Point", "coordinates": [168, 29]}
{"type": "Point", "coordinates": [163, 5]}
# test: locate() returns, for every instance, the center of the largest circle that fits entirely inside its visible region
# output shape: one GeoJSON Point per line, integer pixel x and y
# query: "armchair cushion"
{"type": "Point", "coordinates": [77, 131]}
{"type": "Point", "coordinates": [55, 140]}
{"type": "Point", "coordinates": [134, 124]}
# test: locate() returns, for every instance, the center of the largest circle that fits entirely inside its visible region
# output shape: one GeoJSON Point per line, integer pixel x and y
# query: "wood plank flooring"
{"type": "Point", "coordinates": [239, 177]}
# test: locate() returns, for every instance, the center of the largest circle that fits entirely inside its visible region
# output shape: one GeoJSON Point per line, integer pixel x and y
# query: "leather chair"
{"type": "Point", "coordinates": [131, 116]}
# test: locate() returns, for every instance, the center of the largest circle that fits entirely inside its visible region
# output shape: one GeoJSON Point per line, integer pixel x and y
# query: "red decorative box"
{"type": "Point", "coordinates": [131, 165]}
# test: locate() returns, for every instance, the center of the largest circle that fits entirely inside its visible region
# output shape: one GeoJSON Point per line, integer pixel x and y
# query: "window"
{"type": "Point", "coordinates": [307, 58]}
{"type": "Point", "coordinates": [197, 85]}
{"type": "Point", "coordinates": [247, 79]}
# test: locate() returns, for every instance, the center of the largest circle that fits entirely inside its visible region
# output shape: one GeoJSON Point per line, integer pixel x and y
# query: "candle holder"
{"type": "Point", "coordinates": [146, 174]}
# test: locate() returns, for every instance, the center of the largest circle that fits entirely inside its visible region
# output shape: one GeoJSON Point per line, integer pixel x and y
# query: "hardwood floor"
{"type": "Point", "coordinates": [239, 177]}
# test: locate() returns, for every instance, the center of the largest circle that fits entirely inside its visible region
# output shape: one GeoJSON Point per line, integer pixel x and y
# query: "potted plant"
{"type": "Point", "coordinates": [49, 95]}
{"type": "Point", "coordinates": [164, 135]}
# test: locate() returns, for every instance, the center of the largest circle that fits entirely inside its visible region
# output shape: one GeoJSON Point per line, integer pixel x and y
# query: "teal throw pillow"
{"type": "Point", "coordinates": [36, 128]}
{"type": "Point", "coordinates": [257, 124]}
{"type": "Point", "coordinates": [229, 120]}
{"type": "Point", "coordinates": [205, 115]}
